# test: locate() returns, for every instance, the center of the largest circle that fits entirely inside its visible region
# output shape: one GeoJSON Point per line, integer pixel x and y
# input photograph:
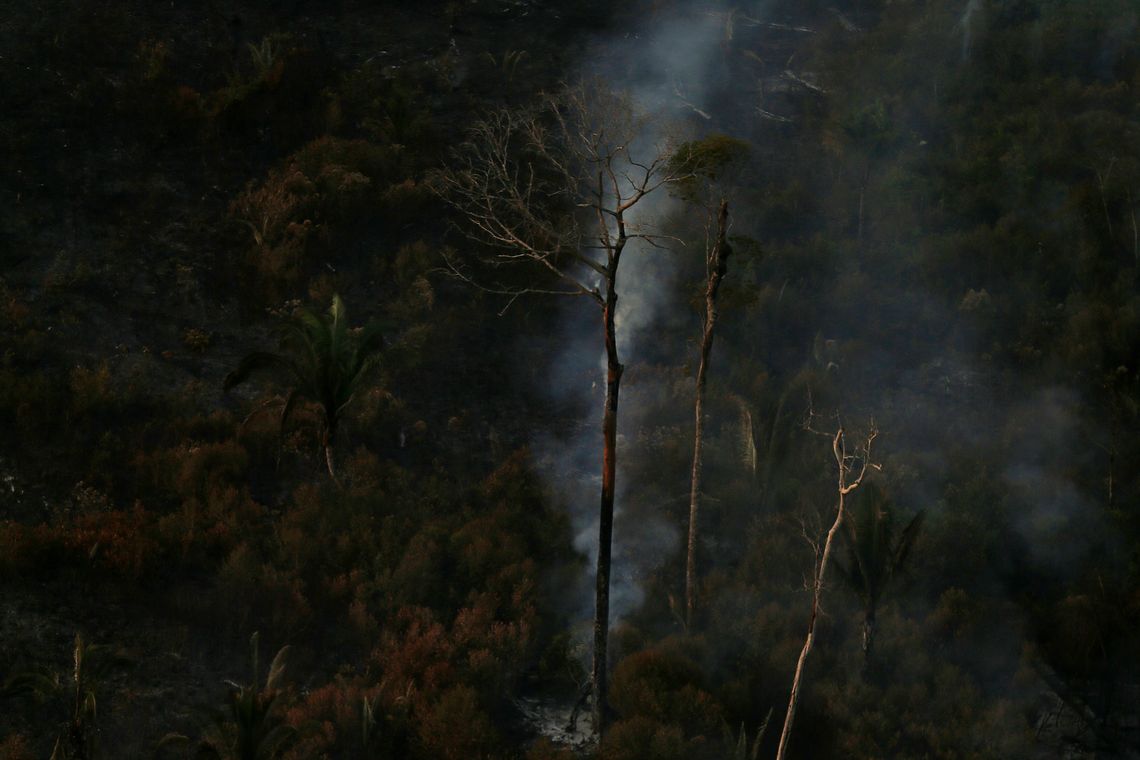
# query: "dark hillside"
{"type": "Point", "coordinates": [932, 234]}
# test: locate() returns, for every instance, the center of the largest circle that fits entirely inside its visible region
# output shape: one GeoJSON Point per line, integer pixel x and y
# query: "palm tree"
{"type": "Point", "coordinates": [91, 664]}
{"type": "Point", "coordinates": [325, 362]}
{"type": "Point", "coordinates": [252, 728]}
{"type": "Point", "coordinates": [875, 553]}
{"type": "Point", "coordinates": [255, 732]}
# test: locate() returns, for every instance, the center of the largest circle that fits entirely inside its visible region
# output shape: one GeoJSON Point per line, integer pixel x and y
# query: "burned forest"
{"type": "Point", "coordinates": [523, 380]}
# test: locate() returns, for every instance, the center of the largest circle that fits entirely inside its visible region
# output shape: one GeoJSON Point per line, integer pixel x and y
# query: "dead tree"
{"type": "Point", "coordinates": [716, 266]}
{"type": "Point", "coordinates": [710, 169]}
{"type": "Point", "coordinates": [559, 188]}
{"type": "Point", "coordinates": [850, 471]}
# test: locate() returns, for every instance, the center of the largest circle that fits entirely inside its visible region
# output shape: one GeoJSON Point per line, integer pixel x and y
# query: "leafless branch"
{"type": "Point", "coordinates": [552, 187]}
{"type": "Point", "coordinates": [545, 186]}
{"type": "Point", "coordinates": [851, 468]}
{"type": "Point", "coordinates": [453, 269]}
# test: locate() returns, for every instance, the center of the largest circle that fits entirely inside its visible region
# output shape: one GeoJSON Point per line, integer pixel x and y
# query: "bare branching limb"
{"type": "Point", "coordinates": [553, 188]}
{"type": "Point", "coordinates": [851, 468]}
{"type": "Point", "coordinates": [455, 268]}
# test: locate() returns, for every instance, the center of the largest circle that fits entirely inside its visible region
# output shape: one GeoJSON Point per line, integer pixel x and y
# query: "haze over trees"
{"type": "Point", "coordinates": [934, 227]}
{"type": "Point", "coordinates": [562, 189]}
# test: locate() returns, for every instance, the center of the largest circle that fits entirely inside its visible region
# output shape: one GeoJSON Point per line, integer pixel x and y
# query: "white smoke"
{"type": "Point", "coordinates": [1056, 519]}
{"type": "Point", "coordinates": [965, 23]}
{"type": "Point", "coordinates": [666, 67]}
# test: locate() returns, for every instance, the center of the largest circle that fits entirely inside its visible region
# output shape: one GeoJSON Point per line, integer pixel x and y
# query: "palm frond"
{"type": "Point", "coordinates": [169, 741]}
{"type": "Point", "coordinates": [207, 750]}
{"type": "Point", "coordinates": [876, 550]}
{"type": "Point", "coordinates": [255, 362]}
{"type": "Point", "coordinates": [346, 392]}
{"type": "Point", "coordinates": [848, 572]}
{"type": "Point", "coordinates": [277, 669]}
{"type": "Point", "coordinates": [305, 335]}
{"type": "Point", "coordinates": [254, 652]}
{"type": "Point", "coordinates": [763, 729]}
{"type": "Point", "coordinates": [371, 721]}
{"type": "Point", "coordinates": [308, 322]}
{"type": "Point", "coordinates": [865, 536]}
{"type": "Point", "coordinates": [742, 748]}
{"type": "Point", "coordinates": [907, 540]}
{"type": "Point", "coordinates": [369, 342]}
{"type": "Point", "coordinates": [337, 327]}
{"type": "Point", "coordinates": [275, 742]}
{"type": "Point", "coordinates": [37, 684]}
{"type": "Point", "coordinates": [328, 363]}
{"type": "Point", "coordinates": [288, 406]}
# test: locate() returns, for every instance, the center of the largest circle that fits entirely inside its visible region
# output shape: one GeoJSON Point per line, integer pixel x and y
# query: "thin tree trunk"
{"type": "Point", "coordinates": [329, 463]}
{"type": "Point", "coordinates": [868, 634]}
{"type": "Point", "coordinates": [1102, 181]}
{"type": "Point", "coordinates": [606, 512]}
{"type": "Point", "coordinates": [1111, 469]}
{"type": "Point", "coordinates": [717, 263]}
{"type": "Point", "coordinates": [1112, 437]}
{"type": "Point", "coordinates": [809, 639]}
{"type": "Point", "coordinates": [1135, 232]}
{"type": "Point", "coordinates": [842, 460]}
{"type": "Point", "coordinates": [769, 455]}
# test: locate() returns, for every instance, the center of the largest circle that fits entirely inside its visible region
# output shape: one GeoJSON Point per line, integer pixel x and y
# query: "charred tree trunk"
{"type": "Point", "coordinates": [606, 511]}
{"type": "Point", "coordinates": [717, 266]}
{"type": "Point", "coordinates": [576, 149]}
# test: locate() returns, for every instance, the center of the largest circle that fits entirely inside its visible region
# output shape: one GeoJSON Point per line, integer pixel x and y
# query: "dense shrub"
{"type": "Point", "coordinates": [455, 727]}
{"type": "Point", "coordinates": [305, 208]}
{"type": "Point", "coordinates": [663, 685]}
{"type": "Point", "coordinates": [643, 738]}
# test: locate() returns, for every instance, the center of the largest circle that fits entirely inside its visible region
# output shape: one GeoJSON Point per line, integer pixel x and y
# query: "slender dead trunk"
{"type": "Point", "coordinates": [1102, 181]}
{"type": "Point", "coordinates": [1112, 438]}
{"type": "Point", "coordinates": [843, 461]}
{"type": "Point", "coordinates": [606, 511]}
{"type": "Point", "coordinates": [1135, 231]}
{"type": "Point", "coordinates": [1110, 481]}
{"type": "Point", "coordinates": [769, 454]}
{"type": "Point", "coordinates": [327, 445]}
{"type": "Point", "coordinates": [809, 639]}
{"type": "Point", "coordinates": [717, 264]}
{"type": "Point", "coordinates": [864, 182]}
{"type": "Point", "coordinates": [329, 463]}
{"type": "Point", "coordinates": [868, 633]}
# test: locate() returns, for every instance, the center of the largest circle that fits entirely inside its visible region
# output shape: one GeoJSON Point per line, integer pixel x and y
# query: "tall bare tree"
{"type": "Point", "coordinates": [851, 468]}
{"type": "Point", "coordinates": [716, 266]}
{"type": "Point", "coordinates": [560, 188]}
{"type": "Point", "coordinates": [709, 167]}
